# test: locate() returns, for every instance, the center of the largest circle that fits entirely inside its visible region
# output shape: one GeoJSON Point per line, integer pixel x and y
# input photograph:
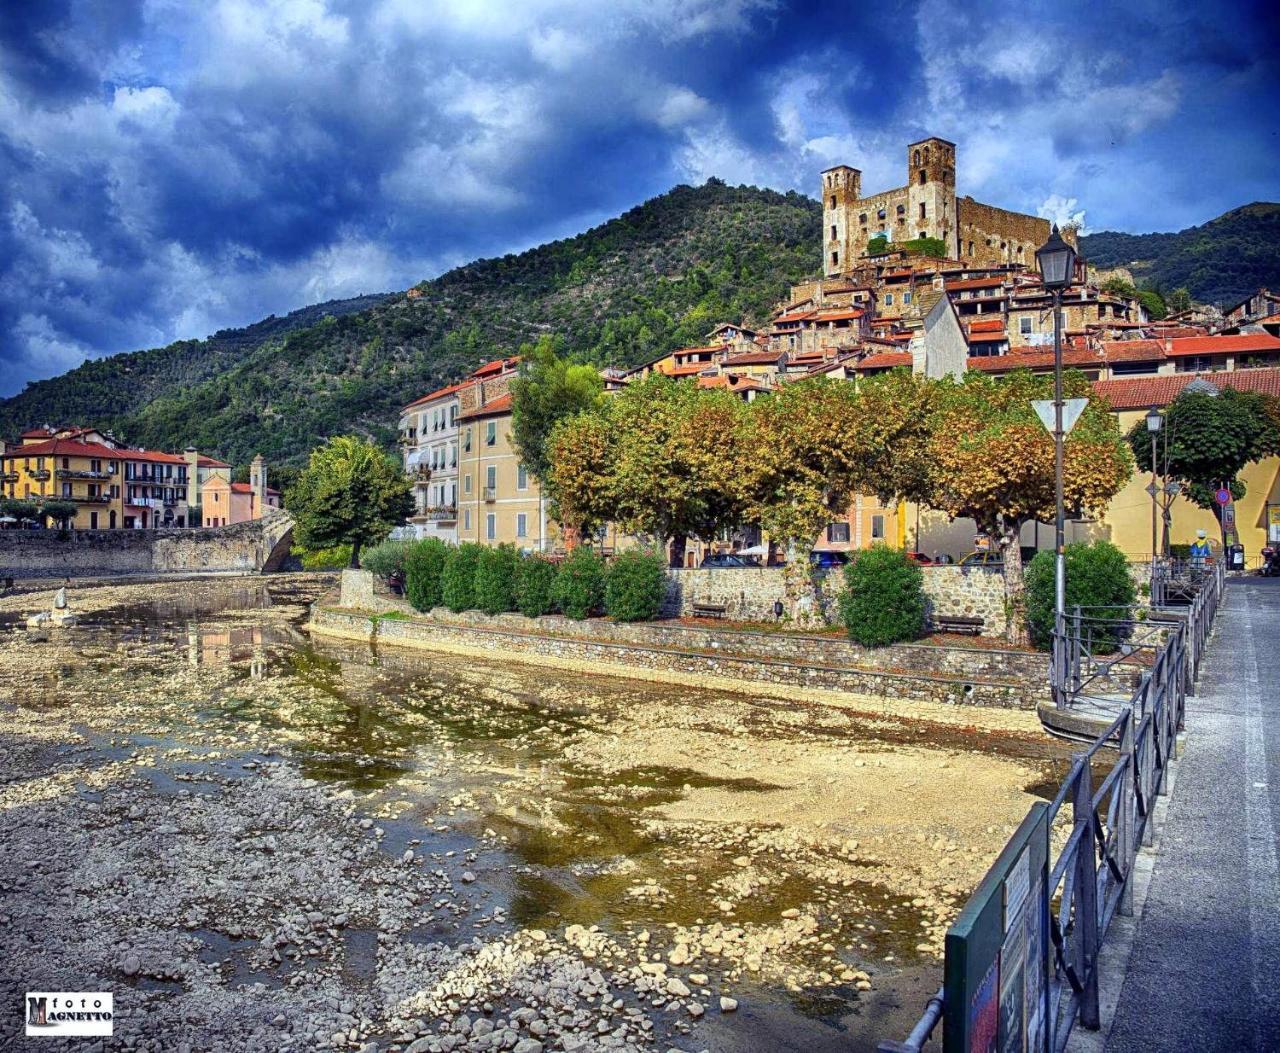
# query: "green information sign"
{"type": "Point", "coordinates": [997, 952]}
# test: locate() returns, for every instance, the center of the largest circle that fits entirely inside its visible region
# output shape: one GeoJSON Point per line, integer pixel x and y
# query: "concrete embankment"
{"type": "Point", "coordinates": [754, 662]}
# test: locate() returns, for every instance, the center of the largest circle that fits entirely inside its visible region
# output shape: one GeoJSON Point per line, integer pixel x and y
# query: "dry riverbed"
{"type": "Point", "coordinates": [262, 842]}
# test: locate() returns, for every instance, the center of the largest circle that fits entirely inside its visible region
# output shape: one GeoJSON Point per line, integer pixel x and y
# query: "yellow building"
{"type": "Point", "coordinates": [87, 474]}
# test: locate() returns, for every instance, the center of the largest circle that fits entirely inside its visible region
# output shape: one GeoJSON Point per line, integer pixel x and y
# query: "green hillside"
{"type": "Point", "coordinates": [1221, 261]}
{"type": "Point", "coordinates": [658, 277]}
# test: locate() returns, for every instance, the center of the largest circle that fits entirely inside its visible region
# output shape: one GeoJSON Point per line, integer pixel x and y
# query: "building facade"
{"type": "Point", "coordinates": [429, 442]}
{"type": "Point", "coordinates": [927, 207]}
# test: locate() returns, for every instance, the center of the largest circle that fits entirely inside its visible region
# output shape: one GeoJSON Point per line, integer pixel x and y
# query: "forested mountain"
{"type": "Point", "coordinates": [656, 278]}
{"type": "Point", "coordinates": [1221, 261]}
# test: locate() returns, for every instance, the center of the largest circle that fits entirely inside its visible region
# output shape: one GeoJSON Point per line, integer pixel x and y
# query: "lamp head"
{"type": "Point", "coordinates": [1056, 260]}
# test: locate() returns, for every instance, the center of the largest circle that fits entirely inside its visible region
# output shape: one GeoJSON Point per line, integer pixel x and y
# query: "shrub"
{"type": "Point", "coordinates": [386, 558]}
{"type": "Point", "coordinates": [496, 579]}
{"type": "Point", "coordinates": [334, 558]}
{"type": "Point", "coordinates": [883, 598]}
{"type": "Point", "coordinates": [424, 573]}
{"type": "Point", "coordinates": [579, 587]}
{"type": "Point", "coordinates": [635, 587]}
{"type": "Point", "coordinates": [458, 583]}
{"type": "Point", "coordinates": [1097, 576]}
{"type": "Point", "coordinates": [535, 583]}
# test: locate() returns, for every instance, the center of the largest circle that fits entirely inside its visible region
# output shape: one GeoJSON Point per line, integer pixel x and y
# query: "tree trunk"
{"type": "Point", "coordinates": [679, 542]}
{"type": "Point", "coordinates": [1015, 597]}
{"type": "Point", "coordinates": [802, 602]}
{"type": "Point", "coordinates": [355, 555]}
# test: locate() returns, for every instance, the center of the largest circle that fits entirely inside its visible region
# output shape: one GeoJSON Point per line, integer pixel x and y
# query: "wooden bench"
{"type": "Point", "coordinates": [708, 610]}
{"type": "Point", "coordinates": [958, 623]}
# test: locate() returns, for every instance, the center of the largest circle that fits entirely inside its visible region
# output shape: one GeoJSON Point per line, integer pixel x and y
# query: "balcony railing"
{"type": "Point", "coordinates": [41, 474]}
{"type": "Point", "coordinates": [8, 477]}
{"type": "Point", "coordinates": [92, 499]}
{"type": "Point", "coordinates": [78, 473]}
{"type": "Point", "coordinates": [490, 494]}
{"type": "Point", "coordinates": [441, 513]}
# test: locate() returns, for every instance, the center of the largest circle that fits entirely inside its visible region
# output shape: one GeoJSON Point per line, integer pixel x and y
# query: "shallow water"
{"type": "Point", "coordinates": [443, 749]}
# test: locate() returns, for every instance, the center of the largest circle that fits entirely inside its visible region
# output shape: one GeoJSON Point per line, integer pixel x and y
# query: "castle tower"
{"type": "Point", "coordinates": [931, 191]}
{"type": "Point", "coordinates": [258, 481]}
{"type": "Point", "coordinates": [841, 189]}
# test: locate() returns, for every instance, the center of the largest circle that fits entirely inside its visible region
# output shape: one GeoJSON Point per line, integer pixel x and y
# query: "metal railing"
{"type": "Point", "coordinates": [1098, 830]}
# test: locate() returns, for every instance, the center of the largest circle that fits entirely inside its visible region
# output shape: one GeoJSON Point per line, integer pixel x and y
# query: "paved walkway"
{"type": "Point", "coordinates": [1204, 974]}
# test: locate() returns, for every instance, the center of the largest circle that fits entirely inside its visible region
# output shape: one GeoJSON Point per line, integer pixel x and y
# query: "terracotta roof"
{"type": "Point", "coordinates": [441, 393]}
{"type": "Point", "coordinates": [493, 408]}
{"type": "Point", "coordinates": [1130, 393]}
{"type": "Point", "coordinates": [689, 369]}
{"type": "Point", "coordinates": [67, 448]}
{"type": "Point", "coordinates": [1077, 357]}
{"type": "Point", "coordinates": [1271, 319]}
{"type": "Point", "coordinates": [210, 462]}
{"type": "Point", "coordinates": [838, 316]}
{"type": "Point", "coordinates": [987, 337]}
{"type": "Point", "coordinates": [754, 358]}
{"type": "Point", "coordinates": [700, 350]}
{"type": "Point", "coordinates": [1133, 350]}
{"type": "Point", "coordinates": [32, 433]}
{"type": "Point", "coordinates": [987, 325]}
{"type": "Point", "coordinates": [787, 319]}
{"type": "Point", "coordinates": [733, 383]}
{"type": "Point", "coordinates": [889, 275]}
{"type": "Point", "coordinates": [1223, 345]}
{"type": "Point", "coordinates": [154, 456]}
{"type": "Point", "coordinates": [885, 360]}
{"type": "Point", "coordinates": [975, 283]}
{"type": "Point", "coordinates": [498, 365]}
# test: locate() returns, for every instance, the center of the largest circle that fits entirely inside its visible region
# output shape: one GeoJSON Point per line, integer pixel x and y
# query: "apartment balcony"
{"type": "Point", "coordinates": [440, 513]}
{"type": "Point", "coordinates": [91, 499]}
{"type": "Point", "coordinates": [490, 494]}
{"type": "Point", "coordinates": [41, 474]}
{"type": "Point", "coordinates": [8, 477]}
{"type": "Point", "coordinates": [78, 473]}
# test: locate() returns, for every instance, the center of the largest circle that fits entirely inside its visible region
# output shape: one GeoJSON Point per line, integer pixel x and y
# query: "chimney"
{"type": "Point", "coordinates": [258, 480]}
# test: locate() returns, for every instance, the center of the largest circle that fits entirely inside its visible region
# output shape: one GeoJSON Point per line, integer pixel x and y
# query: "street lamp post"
{"type": "Point", "coordinates": [1056, 260]}
{"type": "Point", "coordinates": [1154, 420]}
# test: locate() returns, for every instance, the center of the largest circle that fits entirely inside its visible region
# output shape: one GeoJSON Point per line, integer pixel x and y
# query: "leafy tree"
{"type": "Point", "coordinates": [887, 435]}
{"type": "Point", "coordinates": [1154, 303]}
{"type": "Point", "coordinates": [331, 558]}
{"type": "Point", "coordinates": [635, 586]}
{"type": "Point", "coordinates": [548, 390]}
{"type": "Point", "coordinates": [579, 585]}
{"type": "Point", "coordinates": [579, 481]}
{"type": "Point", "coordinates": [387, 557]}
{"type": "Point", "coordinates": [1119, 286]}
{"type": "Point", "coordinates": [993, 461]}
{"type": "Point", "coordinates": [800, 471]}
{"type": "Point", "coordinates": [535, 584]}
{"type": "Point", "coordinates": [1179, 300]}
{"type": "Point", "coordinates": [350, 493]}
{"type": "Point", "coordinates": [424, 573]}
{"type": "Point", "coordinates": [496, 579]}
{"type": "Point", "coordinates": [60, 512]}
{"type": "Point", "coordinates": [1209, 439]}
{"type": "Point", "coordinates": [20, 509]}
{"type": "Point", "coordinates": [1097, 576]}
{"type": "Point", "coordinates": [935, 247]}
{"type": "Point", "coordinates": [877, 245]}
{"type": "Point", "coordinates": [458, 582]}
{"type": "Point", "coordinates": [883, 599]}
{"type": "Point", "coordinates": [675, 469]}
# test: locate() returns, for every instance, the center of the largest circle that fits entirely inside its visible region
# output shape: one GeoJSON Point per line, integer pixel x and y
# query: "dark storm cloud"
{"type": "Point", "coordinates": [171, 169]}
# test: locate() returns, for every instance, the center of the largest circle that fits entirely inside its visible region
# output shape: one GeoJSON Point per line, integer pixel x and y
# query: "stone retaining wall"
{"type": "Point", "coordinates": [241, 549]}
{"type": "Point", "coordinates": [749, 594]}
{"type": "Point", "coordinates": [668, 664]}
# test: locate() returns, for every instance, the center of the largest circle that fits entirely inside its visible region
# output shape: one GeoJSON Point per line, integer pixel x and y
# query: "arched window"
{"type": "Point", "coordinates": [922, 178]}
{"type": "Point", "coordinates": [915, 159]}
{"type": "Point", "coordinates": [862, 218]}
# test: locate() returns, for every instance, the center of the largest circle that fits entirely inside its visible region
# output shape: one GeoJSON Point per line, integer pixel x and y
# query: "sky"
{"type": "Point", "coordinates": [171, 168]}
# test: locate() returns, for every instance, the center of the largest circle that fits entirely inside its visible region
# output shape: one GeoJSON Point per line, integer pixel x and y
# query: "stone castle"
{"type": "Point", "coordinates": [927, 207]}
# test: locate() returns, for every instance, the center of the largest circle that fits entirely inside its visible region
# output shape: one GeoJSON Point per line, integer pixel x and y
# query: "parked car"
{"type": "Point", "coordinates": [722, 560]}
{"type": "Point", "coordinates": [920, 558]}
{"type": "Point", "coordinates": [826, 558]}
{"type": "Point", "coordinates": [982, 559]}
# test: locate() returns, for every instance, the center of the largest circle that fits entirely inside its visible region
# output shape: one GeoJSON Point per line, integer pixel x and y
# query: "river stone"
{"type": "Point", "coordinates": [728, 1005]}
{"type": "Point", "coordinates": [676, 986]}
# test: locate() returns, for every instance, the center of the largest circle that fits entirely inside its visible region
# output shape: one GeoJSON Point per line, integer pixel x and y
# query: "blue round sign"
{"type": "Point", "coordinates": [1223, 496]}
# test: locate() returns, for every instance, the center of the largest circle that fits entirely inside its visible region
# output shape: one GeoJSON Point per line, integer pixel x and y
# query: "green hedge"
{"type": "Point", "coordinates": [635, 586]}
{"type": "Point", "coordinates": [496, 579]}
{"type": "Point", "coordinates": [535, 585]}
{"type": "Point", "coordinates": [579, 587]}
{"type": "Point", "coordinates": [386, 558]}
{"type": "Point", "coordinates": [424, 573]}
{"type": "Point", "coordinates": [1097, 576]}
{"type": "Point", "coordinates": [335, 558]}
{"type": "Point", "coordinates": [458, 586]}
{"type": "Point", "coordinates": [883, 599]}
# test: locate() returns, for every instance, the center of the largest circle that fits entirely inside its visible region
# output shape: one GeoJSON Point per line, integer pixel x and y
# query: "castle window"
{"type": "Point", "coordinates": [833, 232]}
{"type": "Point", "coordinates": [833, 202]}
{"type": "Point", "coordinates": [862, 218]}
{"type": "Point", "coordinates": [902, 209]}
{"type": "Point", "coordinates": [922, 177]}
{"type": "Point", "coordinates": [880, 214]}
{"type": "Point", "coordinates": [923, 210]}
{"type": "Point", "coordinates": [971, 248]}
{"type": "Point", "coordinates": [835, 259]}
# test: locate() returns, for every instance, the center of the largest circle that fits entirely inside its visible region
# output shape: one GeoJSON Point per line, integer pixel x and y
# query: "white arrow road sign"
{"type": "Point", "coordinates": [1071, 410]}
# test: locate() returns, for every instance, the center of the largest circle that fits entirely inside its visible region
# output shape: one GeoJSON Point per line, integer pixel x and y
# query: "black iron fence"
{"type": "Point", "coordinates": [1021, 965]}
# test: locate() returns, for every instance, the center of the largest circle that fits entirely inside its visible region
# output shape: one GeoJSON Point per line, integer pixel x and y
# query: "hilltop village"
{"type": "Point", "coordinates": [914, 278]}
